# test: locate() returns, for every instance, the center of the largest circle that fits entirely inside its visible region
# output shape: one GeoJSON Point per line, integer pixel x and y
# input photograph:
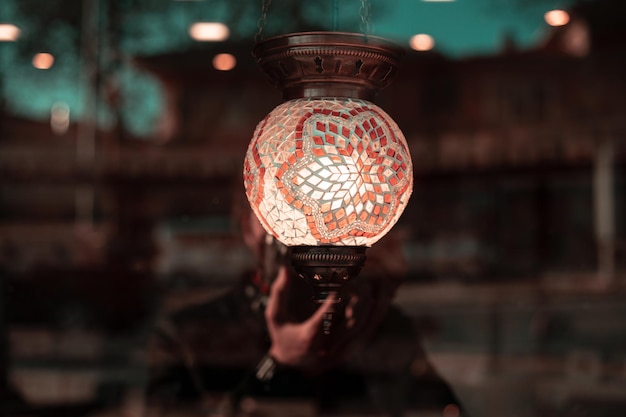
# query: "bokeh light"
{"type": "Point", "coordinates": [60, 118]}
{"type": "Point", "coordinates": [9, 32]}
{"type": "Point", "coordinates": [224, 62]}
{"type": "Point", "coordinates": [556, 17]}
{"type": "Point", "coordinates": [209, 31]}
{"type": "Point", "coordinates": [451, 410]}
{"type": "Point", "coordinates": [43, 61]}
{"type": "Point", "coordinates": [422, 42]}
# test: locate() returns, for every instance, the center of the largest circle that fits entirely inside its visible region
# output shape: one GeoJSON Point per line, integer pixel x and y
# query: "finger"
{"type": "Point", "coordinates": [277, 295]}
{"type": "Point", "coordinates": [327, 307]}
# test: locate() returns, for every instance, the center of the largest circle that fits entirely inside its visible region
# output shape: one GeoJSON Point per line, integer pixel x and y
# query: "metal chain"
{"type": "Point", "coordinates": [262, 20]}
{"type": "Point", "coordinates": [365, 17]}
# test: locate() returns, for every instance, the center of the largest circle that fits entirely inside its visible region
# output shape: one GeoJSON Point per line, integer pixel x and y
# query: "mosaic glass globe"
{"type": "Point", "coordinates": [328, 171]}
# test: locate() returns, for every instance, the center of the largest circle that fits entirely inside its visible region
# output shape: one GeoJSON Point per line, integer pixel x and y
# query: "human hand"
{"type": "Point", "coordinates": [295, 344]}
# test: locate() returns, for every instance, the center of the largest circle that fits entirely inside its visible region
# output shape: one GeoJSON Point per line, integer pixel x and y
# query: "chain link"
{"type": "Point", "coordinates": [262, 20]}
{"type": "Point", "coordinates": [365, 17]}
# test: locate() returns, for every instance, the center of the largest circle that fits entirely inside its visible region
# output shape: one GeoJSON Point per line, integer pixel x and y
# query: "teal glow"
{"type": "Point", "coordinates": [33, 92]}
{"type": "Point", "coordinates": [143, 101]}
{"type": "Point", "coordinates": [462, 28]}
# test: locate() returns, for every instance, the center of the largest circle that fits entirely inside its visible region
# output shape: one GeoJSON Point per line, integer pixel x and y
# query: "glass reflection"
{"type": "Point", "coordinates": [266, 341]}
{"type": "Point", "coordinates": [126, 290]}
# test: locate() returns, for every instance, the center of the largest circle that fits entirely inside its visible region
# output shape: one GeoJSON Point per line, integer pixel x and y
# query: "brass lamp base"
{"type": "Point", "coordinates": [328, 64]}
{"type": "Point", "coordinates": [327, 269]}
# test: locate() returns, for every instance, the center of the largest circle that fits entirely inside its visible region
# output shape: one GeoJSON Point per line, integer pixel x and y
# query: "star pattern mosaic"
{"type": "Point", "coordinates": [328, 171]}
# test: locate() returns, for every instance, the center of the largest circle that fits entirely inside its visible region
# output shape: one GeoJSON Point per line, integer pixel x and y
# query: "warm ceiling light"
{"type": "Point", "coordinates": [556, 17]}
{"type": "Point", "coordinates": [9, 32]}
{"type": "Point", "coordinates": [422, 42]}
{"type": "Point", "coordinates": [209, 31]}
{"type": "Point", "coordinates": [328, 173]}
{"type": "Point", "coordinates": [224, 62]}
{"type": "Point", "coordinates": [43, 61]}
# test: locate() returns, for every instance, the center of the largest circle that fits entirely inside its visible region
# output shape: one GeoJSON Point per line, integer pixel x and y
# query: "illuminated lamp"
{"type": "Point", "coordinates": [327, 172]}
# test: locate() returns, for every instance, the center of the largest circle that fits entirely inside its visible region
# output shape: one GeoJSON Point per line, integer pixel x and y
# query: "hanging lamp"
{"type": "Point", "coordinates": [327, 172]}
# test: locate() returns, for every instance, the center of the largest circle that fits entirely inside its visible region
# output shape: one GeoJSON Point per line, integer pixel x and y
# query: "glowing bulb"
{"type": "Point", "coordinates": [556, 17]}
{"type": "Point", "coordinates": [9, 32]}
{"type": "Point", "coordinates": [422, 42]}
{"type": "Point", "coordinates": [43, 61]}
{"type": "Point", "coordinates": [224, 62]}
{"type": "Point", "coordinates": [209, 31]}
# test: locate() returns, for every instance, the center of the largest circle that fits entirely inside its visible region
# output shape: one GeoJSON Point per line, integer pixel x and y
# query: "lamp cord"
{"type": "Point", "coordinates": [262, 20]}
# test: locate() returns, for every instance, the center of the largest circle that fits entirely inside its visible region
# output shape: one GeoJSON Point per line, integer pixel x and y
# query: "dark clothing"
{"type": "Point", "coordinates": [206, 356]}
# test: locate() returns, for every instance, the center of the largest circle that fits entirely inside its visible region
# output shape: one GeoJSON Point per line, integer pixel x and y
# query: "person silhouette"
{"type": "Point", "coordinates": [262, 342]}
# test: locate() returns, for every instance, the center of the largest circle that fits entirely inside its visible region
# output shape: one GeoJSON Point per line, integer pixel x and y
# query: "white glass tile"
{"type": "Point", "coordinates": [314, 179]}
{"type": "Point", "coordinates": [324, 173]}
{"type": "Point", "coordinates": [325, 161]}
{"type": "Point", "coordinates": [316, 195]}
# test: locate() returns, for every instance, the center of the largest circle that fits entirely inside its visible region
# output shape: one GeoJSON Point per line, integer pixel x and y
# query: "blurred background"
{"type": "Point", "coordinates": [123, 128]}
